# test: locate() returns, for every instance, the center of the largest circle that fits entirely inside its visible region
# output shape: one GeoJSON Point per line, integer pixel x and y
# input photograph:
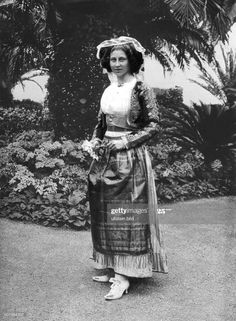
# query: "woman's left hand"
{"type": "Point", "coordinates": [115, 145]}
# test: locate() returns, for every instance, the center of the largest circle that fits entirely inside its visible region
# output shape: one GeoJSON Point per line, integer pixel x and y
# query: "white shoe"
{"type": "Point", "coordinates": [101, 278]}
{"type": "Point", "coordinates": [118, 288]}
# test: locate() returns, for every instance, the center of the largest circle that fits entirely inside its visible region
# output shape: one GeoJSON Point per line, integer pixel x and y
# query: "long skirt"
{"type": "Point", "coordinates": [123, 205]}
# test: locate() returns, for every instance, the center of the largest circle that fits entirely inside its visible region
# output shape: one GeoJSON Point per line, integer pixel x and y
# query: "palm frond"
{"type": "Point", "coordinates": [212, 86]}
{"type": "Point", "coordinates": [186, 10]}
{"type": "Point", "coordinates": [210, 14]}
{"type": "Point", "coordinates": [225, 78]}
{"type": "Point", "coordinates": [209, 128]}
{"type": "Point", "coordinates": [27, 37]}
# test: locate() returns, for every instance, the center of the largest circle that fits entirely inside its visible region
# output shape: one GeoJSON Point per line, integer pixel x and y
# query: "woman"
{"type": "Point", "coordinates": [125, 232]}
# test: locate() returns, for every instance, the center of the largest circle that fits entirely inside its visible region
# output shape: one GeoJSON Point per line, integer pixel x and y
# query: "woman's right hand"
{"type": "Point", "coordinates": [96, 143]}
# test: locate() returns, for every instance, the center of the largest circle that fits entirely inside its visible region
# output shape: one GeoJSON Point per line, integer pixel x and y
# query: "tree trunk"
{"type": "Point", "coordinates": [233, 171]}
{"type": "Point", "coordinates": [6, 97]}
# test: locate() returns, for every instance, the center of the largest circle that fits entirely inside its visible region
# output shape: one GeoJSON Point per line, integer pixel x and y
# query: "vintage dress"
{"type": "Point", "coordinates": [125, 178]}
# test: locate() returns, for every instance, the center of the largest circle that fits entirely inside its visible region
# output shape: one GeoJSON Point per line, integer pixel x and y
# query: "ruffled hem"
{"type": "Point", "coordinates": [139, 266]}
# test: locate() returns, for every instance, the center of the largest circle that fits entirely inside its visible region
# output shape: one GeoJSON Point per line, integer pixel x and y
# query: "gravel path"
{"type": "Point", "coordinates": [45, 273]}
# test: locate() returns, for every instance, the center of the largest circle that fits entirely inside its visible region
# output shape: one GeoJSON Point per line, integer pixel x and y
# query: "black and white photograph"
{"type": "Point", "coordinates": [117, 160]}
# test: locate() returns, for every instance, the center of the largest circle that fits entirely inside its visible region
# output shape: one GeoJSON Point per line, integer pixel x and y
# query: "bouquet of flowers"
{"type": "Point", "coordinates": [93, 150]}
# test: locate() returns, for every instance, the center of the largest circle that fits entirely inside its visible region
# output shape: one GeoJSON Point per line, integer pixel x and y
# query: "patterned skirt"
{"type": "Point", "coordinates": [123, 206]}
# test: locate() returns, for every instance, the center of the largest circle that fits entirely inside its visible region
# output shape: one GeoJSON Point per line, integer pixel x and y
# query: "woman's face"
{"type": "Point", "coordinates": [119, 63]}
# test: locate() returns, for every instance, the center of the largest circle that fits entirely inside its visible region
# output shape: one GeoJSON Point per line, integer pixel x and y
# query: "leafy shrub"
{"type": "Point", "coordinates": [44, 180]}
{"type": "Point", "coordinates": [169, 98]}
{"type": "Point", "coordinates": [210, 129]}
{"type": "Point", "coordinates": [22, 116]}
{"type": "Point", "coordinates": [182, 175]}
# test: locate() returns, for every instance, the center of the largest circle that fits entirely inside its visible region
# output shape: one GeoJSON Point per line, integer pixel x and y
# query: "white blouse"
{"type": "Point", "coordinates": [116, 99]}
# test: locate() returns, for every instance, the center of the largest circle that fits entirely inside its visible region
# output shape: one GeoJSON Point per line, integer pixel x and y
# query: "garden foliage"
{"type": "Point", "coordinates": [43, 171]}
{"type": "Point", "coordinates": [209, 129]}
{"type": "Point", "coordinates": [77, 81]}
{"type": "Point", "coordinates": [44, 179]}
{"type": "Point", "coordinates": [23, 115]}
{"type": "Point", "coordinates": [182, 175]}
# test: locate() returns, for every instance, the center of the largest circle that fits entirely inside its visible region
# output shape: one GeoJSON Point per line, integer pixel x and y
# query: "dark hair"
{"type": "Point", "coordinates": [134, 57]}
